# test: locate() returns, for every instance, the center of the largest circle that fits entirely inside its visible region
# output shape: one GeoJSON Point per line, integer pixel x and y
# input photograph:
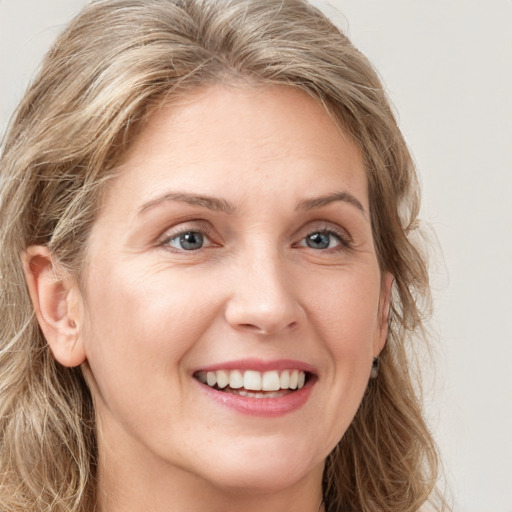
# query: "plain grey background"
{"type": "Point", "coordinates": [447, 65]}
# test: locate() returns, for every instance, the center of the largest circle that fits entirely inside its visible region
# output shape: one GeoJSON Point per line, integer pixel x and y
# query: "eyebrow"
{"type": "Point", "coordinates": [221, 205]}
{"type": "Point", "coordinates": [318, 202]}
{"type": "Point", "coordinates": [211, 203]}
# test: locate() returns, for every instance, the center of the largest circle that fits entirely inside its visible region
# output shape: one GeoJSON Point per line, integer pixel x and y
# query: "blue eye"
{"type": "Point", "coordinates": [322, 240]}
{"type": "Point", "coordinates": [187, 241]}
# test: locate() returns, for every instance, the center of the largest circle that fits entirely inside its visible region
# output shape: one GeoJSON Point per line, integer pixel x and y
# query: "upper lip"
{"type": "Point", "coordinates": [259, 365]}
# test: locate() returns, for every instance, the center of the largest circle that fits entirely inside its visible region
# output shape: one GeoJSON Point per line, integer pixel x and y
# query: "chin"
{"type": "Point", "coordinates": [265, 470]}
{"type": "Point", "coordinates": [261, 480]}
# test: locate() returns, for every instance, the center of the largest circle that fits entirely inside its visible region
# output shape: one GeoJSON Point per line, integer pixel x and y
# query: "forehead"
{"type": "Point", "coordinates": [232, 140]}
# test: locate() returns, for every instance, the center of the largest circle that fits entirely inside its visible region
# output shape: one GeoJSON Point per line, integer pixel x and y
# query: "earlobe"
{"type": "Point", "coordinates": [57, 304]}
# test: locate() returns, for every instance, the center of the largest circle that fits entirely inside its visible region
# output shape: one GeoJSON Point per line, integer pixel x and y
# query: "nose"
{"type": "Point", "coordinates": [263, 299]}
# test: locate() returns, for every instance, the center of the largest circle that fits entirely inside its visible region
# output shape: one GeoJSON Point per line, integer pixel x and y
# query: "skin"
{"type": "Point", "coordinates": [151, 313]}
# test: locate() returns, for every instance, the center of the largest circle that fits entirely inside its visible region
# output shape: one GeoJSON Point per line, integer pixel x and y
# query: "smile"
{"type": "Point", "coordinates": [258, 388]}
{"type": "Point", "coordinates": [253, 383]}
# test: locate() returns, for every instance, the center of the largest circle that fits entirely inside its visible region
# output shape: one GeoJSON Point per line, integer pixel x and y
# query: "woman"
{"type": "Point", "coordinates": [207, 205]}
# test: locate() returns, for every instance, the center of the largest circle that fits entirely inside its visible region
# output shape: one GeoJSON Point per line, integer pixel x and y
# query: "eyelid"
{"type": "Point", "coordinates": [196, 226]}
{"type": "Point", "coordinates": [342, 234]}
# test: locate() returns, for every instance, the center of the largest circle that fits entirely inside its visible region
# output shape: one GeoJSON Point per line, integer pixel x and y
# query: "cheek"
{"type": "Point", "coordinates": [345, 309]}
{"type": "Point", "coordinates": [140, 325]}
{"type": "Point", "coordinates": [345, 316]}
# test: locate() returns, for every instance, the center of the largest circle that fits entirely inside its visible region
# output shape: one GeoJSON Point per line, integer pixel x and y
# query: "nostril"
{"type": "Point", "coordinates": [251, 327]}
{"type": "Point", "coordinates": [264, 330]}
{"type": "Point", "coordinates": [247, 313]}
{"type": "Point", "coordinates": [254, 329]}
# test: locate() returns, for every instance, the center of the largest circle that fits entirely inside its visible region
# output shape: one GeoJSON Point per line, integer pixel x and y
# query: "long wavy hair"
{"type": "Point", "coordinates": [116, 62]}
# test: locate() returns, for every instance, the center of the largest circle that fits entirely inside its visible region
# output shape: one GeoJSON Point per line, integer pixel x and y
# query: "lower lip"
{"type": "Point", "coordinates": [268, 407]}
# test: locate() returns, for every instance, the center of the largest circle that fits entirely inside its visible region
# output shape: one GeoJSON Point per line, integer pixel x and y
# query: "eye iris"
{"type": "Point", "coordinates": [191, 240]}
{"type": "Point", "coordinates": [318, 240]}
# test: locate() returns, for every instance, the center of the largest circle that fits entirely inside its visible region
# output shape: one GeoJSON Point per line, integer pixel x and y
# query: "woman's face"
{"type": "Point", "coordinates": [234, 247]}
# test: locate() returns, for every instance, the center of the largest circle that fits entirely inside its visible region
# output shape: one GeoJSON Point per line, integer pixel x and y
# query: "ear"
{"type": "Point", "coordinates": [57, 304]}
{"type": "Point", "coordinates": [383, 313]}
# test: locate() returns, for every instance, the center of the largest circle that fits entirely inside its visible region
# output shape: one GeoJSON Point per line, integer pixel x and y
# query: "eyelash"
{"type": "Point", "coordinates": [343, 239]}
{"type": "Point", "coordinates": [205, 233]}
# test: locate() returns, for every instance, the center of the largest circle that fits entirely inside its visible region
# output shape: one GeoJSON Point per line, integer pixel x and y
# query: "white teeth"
{"type": "Point", "coordinates": [222, 379]}
{"type": "Point", "coordinates": [252, 380]}
{"type": "Point", "coordinates": [211, 379]}
{"type": "Point", "coordinates": [236, 379]}
{"type": "Point", "coordinates": [294, 379]}
{"type": "Point", "coordinates": [285, 380]}
{"type": "Point", "coordinates": [270, 381]}
{"type": "Point", "coordinates": [302, 380]}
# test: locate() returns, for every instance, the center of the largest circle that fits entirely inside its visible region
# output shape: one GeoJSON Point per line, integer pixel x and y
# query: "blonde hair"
{"type": "Point", "coordinates": [115, 63]}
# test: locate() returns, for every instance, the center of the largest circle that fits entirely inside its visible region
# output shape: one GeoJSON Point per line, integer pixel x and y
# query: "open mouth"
{"type": "Point", "coordinates": [251, 383]}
